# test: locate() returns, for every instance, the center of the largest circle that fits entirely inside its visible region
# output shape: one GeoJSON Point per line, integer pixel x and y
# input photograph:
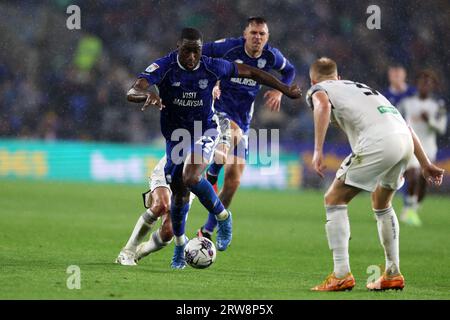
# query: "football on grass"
{"type": "Point", "coordinates": [200, 253]}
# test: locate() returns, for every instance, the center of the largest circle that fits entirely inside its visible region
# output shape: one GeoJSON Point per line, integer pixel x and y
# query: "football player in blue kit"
{"type": "Point", "coordinates": [236, 103]}
{"type": "Point", "coordinates": [185, 79]}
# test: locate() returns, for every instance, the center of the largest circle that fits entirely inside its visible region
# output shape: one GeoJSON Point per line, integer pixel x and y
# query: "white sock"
{"type": "Point", "coordinates": [180, 240]}
{"type": "Point", "coordinates": [389, 231]}
{"type": "Point", "coordinates": [338, 234]}
{"type": "Point", "coordinates": [141, 229]}
{"type": "Point", "coordinates": [222, 216]}
{"type": "Point", "coordinates": [154, 244]}
{"type": "Point", "coordinates": [411, 202]}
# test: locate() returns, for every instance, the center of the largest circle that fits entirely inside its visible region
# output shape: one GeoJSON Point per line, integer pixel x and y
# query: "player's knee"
{"type": "Point", "coordinates": [333, 199]}
{"type": "Point", "coordinates": [378, 204]}
{"type": "Point", "coordinates": [190, 180]}
{"type": "Point", "coordinates": [328, 199]}
{"type": "Point", "coordinates": [160, 208]}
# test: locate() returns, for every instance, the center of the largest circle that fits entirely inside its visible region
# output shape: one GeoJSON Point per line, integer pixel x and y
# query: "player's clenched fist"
{"type": "Point", "coordinates": [433, 174]}
{"type": "Point", "coordinates": [294, 92]}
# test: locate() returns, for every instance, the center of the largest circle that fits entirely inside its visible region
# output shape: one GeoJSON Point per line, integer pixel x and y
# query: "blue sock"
{"type": "Point", "coordinates": [207, 196]}
{"type": "Point", "coordinates": [211, 223]}
{"type": "Point", "coordinates": [178, 216]}
{"type": "Point", "coordinates": [214, 169]}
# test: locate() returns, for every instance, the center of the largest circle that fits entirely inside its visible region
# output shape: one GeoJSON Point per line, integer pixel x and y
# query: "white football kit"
{"type": "Point", "coordinates": [412, 109]}
{"type": "Point", "coordinates": [157, 180]}
{"type": "Point", "coordinates": [380, 139]}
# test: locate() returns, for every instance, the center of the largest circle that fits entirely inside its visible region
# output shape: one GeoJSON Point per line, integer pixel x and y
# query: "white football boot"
{"type": "Point", "coordinates": [126, 257]}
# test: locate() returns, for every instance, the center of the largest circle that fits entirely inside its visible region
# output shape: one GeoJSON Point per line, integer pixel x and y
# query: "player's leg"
{"type": "Point", "coordinates": [161, 237]}
{"type": "Point", "coordinates": [233, 172]}
{"type": "Point", "coordinates": [388, 232]}
{"type": "Point", "coordinates": [422, 189]}
{"type": "Point", "coordinates": [230, 136]}
{"type": "Point", "coordinates": [232, 179]}
{"type": "Point", "coordinates": [192, 177]}
{"type": "Point", "coordinates": [157, 202]}
{"type": "Point", "coordinates": [387, 223]}
{"type": "Point", "coordinates": [338, 234]}
{"type": "Point", "coordinates": [178, 214]}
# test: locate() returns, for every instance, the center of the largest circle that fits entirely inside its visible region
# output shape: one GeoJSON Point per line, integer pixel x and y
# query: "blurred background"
{"type": "Point", "coordinates": [63, 110]}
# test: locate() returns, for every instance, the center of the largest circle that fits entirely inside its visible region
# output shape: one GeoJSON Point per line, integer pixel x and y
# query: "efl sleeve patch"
{"type": "Point", "coordinates": [152, 68]}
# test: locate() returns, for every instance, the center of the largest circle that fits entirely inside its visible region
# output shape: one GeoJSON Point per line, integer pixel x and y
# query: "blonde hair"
{"type": "Point", "coordinates": [323, 69]}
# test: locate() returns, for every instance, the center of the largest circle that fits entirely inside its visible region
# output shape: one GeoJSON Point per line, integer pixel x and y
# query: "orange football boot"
{"type": "Point", "coordinates": [386, 282]}
{"type": "Point", "coordinates": [332, 283]}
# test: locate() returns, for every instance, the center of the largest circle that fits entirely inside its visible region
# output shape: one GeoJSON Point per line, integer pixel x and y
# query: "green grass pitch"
{"type": "Point", "coordinates": [279, 249]}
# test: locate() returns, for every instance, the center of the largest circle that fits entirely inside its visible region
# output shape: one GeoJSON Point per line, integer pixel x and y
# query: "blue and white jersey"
{"type": "Point", "coordinates": [395, 97]}
{"type": "Point", "coordinates": [238, 94]}
{"type": "Point", "coordinates": [187, 94]}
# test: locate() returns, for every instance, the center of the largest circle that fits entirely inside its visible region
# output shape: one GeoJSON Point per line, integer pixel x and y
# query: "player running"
{"type": "Point", "coordinates": [236, 104]}
{"type": "Point", "coordinates": [185, 80]}
{"type": "Point", "coordinates": [382, 144]}
{"type": "Point", "coordinates": [428, 117]}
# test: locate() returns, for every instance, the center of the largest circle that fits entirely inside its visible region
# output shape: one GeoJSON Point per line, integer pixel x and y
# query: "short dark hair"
{"type": "Point", "coordinates": [191, 34]}
{"type": "Point", "coordinates": [428, 73]}
{"type": "Point", "coordinates": [257, 20]}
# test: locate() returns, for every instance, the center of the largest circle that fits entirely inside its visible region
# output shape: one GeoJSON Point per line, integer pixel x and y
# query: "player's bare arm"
{"type": "Point", "coordinates": [139, 93]}
{"type": "Point", "coordinates": [432, 174]}
{"type": "Point", "coordinates": [322, 114]}
{"type": "Point", "coordinates": [265, 78]}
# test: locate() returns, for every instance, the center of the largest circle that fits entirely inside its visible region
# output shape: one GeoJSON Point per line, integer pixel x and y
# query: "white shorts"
{"type": "Point", "coordinates": [157, 178]}
{"type": "Point", "coordinates": [380, 163]}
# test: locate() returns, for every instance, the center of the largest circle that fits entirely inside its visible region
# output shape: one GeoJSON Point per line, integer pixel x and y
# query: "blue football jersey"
{"type": "Point", "coordinates": [187, 94]}
{"type": "Point", "coordinates": [238, 94]}
{"type": "Point", "coordinates": [395, 97]}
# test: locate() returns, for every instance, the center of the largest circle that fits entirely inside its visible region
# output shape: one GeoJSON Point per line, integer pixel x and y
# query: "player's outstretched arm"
{"type": "Point", "coordinates": [322, 115]}
{"type": "Point", "coordinates": [139, 93]}
{"type": "Point", "coordinates": [269, 80]}
{"type": "Point", "coordinates": [431, 173]}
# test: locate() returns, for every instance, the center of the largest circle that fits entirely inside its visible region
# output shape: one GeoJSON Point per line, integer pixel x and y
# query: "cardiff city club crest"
{"type": "Point", "coordinates": [262, 63]}
{"type": "Point", "coordinates": [203, 83]}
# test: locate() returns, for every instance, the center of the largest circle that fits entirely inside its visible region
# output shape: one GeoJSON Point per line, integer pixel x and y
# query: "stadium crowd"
{"type": "Point", "coordinates": [57, 83]}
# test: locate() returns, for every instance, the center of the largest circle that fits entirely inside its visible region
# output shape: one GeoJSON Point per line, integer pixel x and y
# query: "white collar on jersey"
{"type": "Point", "coordinates": [196, 67]}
